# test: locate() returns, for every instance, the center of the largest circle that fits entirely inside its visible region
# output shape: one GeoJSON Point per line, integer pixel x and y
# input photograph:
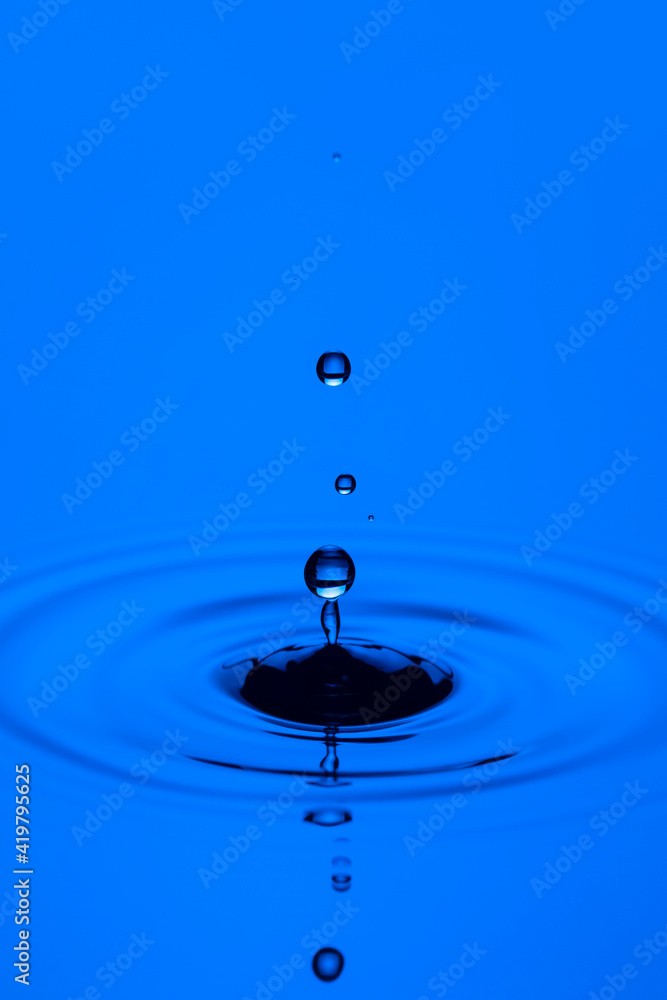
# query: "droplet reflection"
{"type": "Point", "coordinates": [328, 964]}
{"type": "Point", "coordinates": [328, 817]}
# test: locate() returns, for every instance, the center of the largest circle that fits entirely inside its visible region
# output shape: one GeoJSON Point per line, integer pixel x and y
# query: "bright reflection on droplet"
{"type": "Point", "coordinates": [329, 573]}
{"type": "Point", "coordinates": [346, 484]}
{"type": "Point", "coordinates": [328, 964]}
{"type": "Point", "coordinates": [333, 368]}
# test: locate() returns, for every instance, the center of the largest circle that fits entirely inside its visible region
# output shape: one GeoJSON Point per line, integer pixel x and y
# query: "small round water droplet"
{"type": "Point", "coordinates": [328, 964]}
{"type": "Point", "coordinates": [336, 157]}
{"type": "Point", "coordinates": [333, 368]}
{"type": "Point", "coordinates": [346, 484]}
{"type": "Point", "coordinates": [371, 517]}
{"type": "Point", "coordinates": [329, 572]}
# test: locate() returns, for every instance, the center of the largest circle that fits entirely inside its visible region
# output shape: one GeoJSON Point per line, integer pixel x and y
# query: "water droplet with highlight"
{"type": "Point", "coordinates": [329, 573]}
{"type": "Point", "coordinates": [371, 517]}
{"type": "Point", "coordinates": [328, 964]}
{"type": "Point", "coordinates": [336, 157]}
{"type": "Point", "coordinates": [333, 368]}
{"type": "Point", "coordinates": [346, 484]}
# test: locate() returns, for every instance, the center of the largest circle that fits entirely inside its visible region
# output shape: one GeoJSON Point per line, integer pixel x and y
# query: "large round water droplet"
{"type": "Point", "coordinates": [346, 484]}
{"type": "Point", "coordinates": [329, 572]}
{"type": "Point", "coordinates": [333, 368]}
{"type": "Point", "coordinates": [328, 964]}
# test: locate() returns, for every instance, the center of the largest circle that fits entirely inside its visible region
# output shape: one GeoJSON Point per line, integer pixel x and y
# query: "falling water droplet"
{"type": "Point", "coordinates": [346, 484]}
{"type": "Point", "coordinates": [336, 157]}
{"type": "Point", "coordinates": [328, 964]}
{"type": "Point", "coordinates": [371, 517]}
{"type": "Point", "coordinates": [333, 368]}
{"type": "Point", "coordinates": [329, 573]}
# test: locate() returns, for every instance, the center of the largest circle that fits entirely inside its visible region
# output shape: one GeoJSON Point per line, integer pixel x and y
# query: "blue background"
{"type": "Point", "coordinates": [450, 219]}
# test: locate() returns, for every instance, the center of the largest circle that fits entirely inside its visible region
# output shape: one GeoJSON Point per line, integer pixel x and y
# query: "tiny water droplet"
{"type": "Point", "coordinates": [371, 517]}
{"type": "Point", "coordinates": [341, 879]}
{"type": "Point", "coordinates": [346, 484]}
{"type": "Point", "coordinates": [328, 964]}
{"type": "Point", "coordinates": [336, 157]}
{"type": "Point", "coordinates": [340, 861]}
{"type": "Point", "coordinates": [328, 817]}
{"type": "Point", "coordinates": [329, 573]}
{"type": "Point", "coordinates": [333, 368]}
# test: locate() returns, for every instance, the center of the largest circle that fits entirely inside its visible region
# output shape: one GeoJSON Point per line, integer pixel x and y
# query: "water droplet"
{"type": "Point", "coordinates": [328, 964]}
{"type": "Point", "coordinates": [346, 484]}
{"type": "Point", "coordinates": [333, 368]}
{"type": "Point", "coordinates": [371, 517]}
{"type": "Point", "coordinates": [341, 879]}
{"type": "Point", "coordinates": [329, 572]}
{"type": "Point", "coordinates": [340, 861]}
{"type": "Point", "coordinates": [336, 157]}
{"type": "Point", "coordinates": [328, 817]}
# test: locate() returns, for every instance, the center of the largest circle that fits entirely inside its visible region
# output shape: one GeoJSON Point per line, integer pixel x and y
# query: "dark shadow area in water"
{"type": "Point", "coordinates": [344, 684]}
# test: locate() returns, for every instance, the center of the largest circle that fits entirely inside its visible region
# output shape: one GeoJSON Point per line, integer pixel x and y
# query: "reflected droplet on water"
{"type": "Point", "coordinates": [346, 484]}
{"type": "Point", "coordinates": [328, 964]}
{"type": "Point", "coordinates": [329, 572]}
{"type": "Point", "coordinates": [333, 368]}
{"type": "Point", "coordinates": [328, 817]}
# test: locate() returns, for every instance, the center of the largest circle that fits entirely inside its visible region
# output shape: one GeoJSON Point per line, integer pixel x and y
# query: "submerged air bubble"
{"type": "Point", "coordinates": [333, 368]}
{"type": "Point", "coordinates": [346, 484]}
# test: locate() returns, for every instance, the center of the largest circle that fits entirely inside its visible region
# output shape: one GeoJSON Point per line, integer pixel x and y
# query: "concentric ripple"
{"type": "Point", "coordinates": [535, 681]}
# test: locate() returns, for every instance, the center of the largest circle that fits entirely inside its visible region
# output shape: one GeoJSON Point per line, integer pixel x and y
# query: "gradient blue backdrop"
{"type": "Point", "coordinates": [162, 336]}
